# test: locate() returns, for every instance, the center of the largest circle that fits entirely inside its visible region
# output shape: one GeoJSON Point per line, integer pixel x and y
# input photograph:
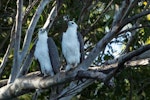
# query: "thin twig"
{"type": "Point", "coordinates": [73, 90]}
{"type": "Point", "coordinates": [103, 12]}
{"type": "Point", "coordinates": [133, 28]}
{"type": "Point", "coordinates": [146, 84]}
{"type": "Point", "coordinates": [5, 58]}
{"type": "Point", "coordinates": [4, 41]}
{"type": "Point", "coordinates": [86, 8]}
{"type": "Point", "coordinates": [130, 40]}
{"type": "Point", "coordinates": [29, 8]}
{"type": "Point", "coordinates": [130, 4]}
{"type": "Point", "coordinates": [50, 19]}
{"type": "Point", "coordinates": [135, 17]}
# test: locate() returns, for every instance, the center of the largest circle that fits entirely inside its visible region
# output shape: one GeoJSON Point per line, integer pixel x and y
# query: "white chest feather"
{"type": "Point", "coordinates": [71, 46]}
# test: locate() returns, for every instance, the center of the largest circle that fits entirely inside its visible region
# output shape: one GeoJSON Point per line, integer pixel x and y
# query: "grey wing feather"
{"type": "Point", "coordinates": [61, 36]}
{"type": "Point", "coordinates": [81, 41]}
{"type": "Point", "coordinates": [54, 55]}
{"type": "Point", "coordinates": [55, 61]}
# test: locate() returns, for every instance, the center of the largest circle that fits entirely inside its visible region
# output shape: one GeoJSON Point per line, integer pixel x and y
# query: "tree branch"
{"type": "Point", "coordinates": [26, 65]}
{"type": "Point", "coordinates": [133, 28]}
{"type": "Point", "coordinates": [3, 82]}
{"type": "Point", "coordinates": [30, 6]}
{"type": "Point", "coordinates": [120, 12]}
{"type": "Point", "coordinates": [86, 8]}
{"type": "Point", "coordinates": [135, 17]}
{"type": "Point", "coordinates": [4, 41]}
{"type": "Point", "coordinates": [50, 18]}
{"type": "Point", "coordinates": [102, 13]}
{"type": "Point", "coordinates": [32, 81]}
{"type": "Point", "coordinates": [18, 28]}
{"type": "Point", "coordinates": [140, 58]}
{"type": "Point", "coordinates": [73, 89]}
{"type": "Point", "coordinates": [126, 58]}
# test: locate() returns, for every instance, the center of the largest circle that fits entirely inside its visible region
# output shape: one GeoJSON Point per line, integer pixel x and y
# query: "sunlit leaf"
{"type": "Point", "coordinates": [147, 41]}
{"type": "Point", "coordinates": [145, 3]}
{"type": "Point", "coordinates": [148, 17]}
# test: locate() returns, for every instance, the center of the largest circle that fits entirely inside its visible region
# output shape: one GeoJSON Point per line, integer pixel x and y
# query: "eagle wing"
{"type": "Point", "coordinates": [54, 55]}
{"type": "Point", "coordinates": [81, 41]}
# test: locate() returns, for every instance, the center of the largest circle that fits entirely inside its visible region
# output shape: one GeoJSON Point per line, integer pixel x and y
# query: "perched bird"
{"type": "Point", "coordinates": [42, 53]}
{"type": "Point", "coordinates": [46, 53]}
{"type": "Point", "coordinates": [71, 46]}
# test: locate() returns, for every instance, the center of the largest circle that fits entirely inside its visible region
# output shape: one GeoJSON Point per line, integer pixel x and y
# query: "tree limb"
{"type": "Point", "coordinates": [126, 58]}
{"type": "Point", "coordinates": [32, 81]}
{"type": "Point", "coordinates": [73, 89]}
{"type": "Point", "coordinates": [135, 17]}
{"type": "Point", "coordinates": [18, 28]}
{"type": "Point", "coordinates": [50, 19]}
{"type": "Point", "coordinates": [133, 28]}
{"type": "Point", "coordinates": [86, 8]}
{"type": "Point", "coordinates": [26, 65]}
{"type": "Point", "coordinates": [3, 82]}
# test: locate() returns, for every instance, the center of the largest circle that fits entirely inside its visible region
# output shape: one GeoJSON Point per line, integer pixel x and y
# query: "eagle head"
{"type": "Point", "coordinates": [72, 24]}
{"type": "Point", "coordinates": [42, 33]}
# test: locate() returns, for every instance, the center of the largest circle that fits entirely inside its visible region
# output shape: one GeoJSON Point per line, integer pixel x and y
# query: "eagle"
{"type": "Point", "coordinates": [72, 46]}
{"type": "Point", "coordinates": [47, 54]}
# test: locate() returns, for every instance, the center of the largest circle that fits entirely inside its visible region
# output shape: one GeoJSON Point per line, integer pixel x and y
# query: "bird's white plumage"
{"type": "Point", "coordinates": [42, 53]}
{"type": "Point", "coordinates": [71, 46]}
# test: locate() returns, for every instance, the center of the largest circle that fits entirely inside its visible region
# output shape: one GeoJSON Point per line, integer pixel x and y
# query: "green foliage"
{"type": "Point", "coordinates": [131, 84]}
